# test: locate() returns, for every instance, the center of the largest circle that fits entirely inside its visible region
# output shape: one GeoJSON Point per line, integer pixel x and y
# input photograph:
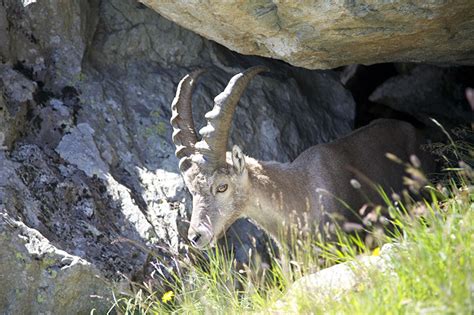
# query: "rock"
{"type": "Point", "coordinates": [330, 34]}
{"type": "Point", "coordinates": [336, 281]}
{"type": "Point", "coordinates": [427, 91]}
{"type": "Point", "coordinates": [78, 148]}
{"type": "Point", "coordinates": [18, 91]}
{"type": "Point", "coordinates": [49, 38]}
{"type": "Point", "coordinates": [39, 278]}
{"type": "Point", "coordinates": [83, 216]}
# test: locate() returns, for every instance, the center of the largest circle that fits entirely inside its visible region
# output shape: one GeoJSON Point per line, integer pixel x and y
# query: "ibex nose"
{"type": "Point", "coordinates": [194, 237]}
{"type": "Point", "coordinates": [199, 237]}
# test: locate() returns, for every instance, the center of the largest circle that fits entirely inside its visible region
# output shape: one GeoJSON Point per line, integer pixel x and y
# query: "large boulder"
{"type": "Point", "coordinates": [328, 34]}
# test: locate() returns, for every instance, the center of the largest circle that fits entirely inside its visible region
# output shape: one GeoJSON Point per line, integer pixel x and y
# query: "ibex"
{"type": "Point", "coordinates": [228, 185]}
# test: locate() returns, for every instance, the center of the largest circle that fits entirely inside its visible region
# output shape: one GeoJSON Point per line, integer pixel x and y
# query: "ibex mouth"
{"type": "Point", "coordinates": [202, 243]}
{"type": "Point", "coordinates": [201, 238]}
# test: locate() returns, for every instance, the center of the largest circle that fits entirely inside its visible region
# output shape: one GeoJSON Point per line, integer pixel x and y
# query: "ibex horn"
{"type": "Point", "coordinates": [184, 134]}
{"type": "Point", "coordinates": [213, 145]}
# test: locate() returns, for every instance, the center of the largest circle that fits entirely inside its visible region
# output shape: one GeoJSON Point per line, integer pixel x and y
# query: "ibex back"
{"type": "Point", "coordinates": [229, 185]}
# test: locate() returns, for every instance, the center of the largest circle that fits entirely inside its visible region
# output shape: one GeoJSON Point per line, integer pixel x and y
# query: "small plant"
{"type": "Point", "coordinates": [158, 128]}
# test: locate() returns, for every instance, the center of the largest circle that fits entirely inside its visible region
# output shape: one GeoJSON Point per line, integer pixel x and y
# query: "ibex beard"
{"type": "Point", "coordinates": [228, 185]}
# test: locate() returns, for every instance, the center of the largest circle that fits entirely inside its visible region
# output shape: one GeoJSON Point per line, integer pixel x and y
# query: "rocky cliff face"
{"type": "Point", "coordinates": [328, 34]}
{"type": "Point", "coordinates": [88, 177]}
{"type": "Point", "coordinates": [87, 158]}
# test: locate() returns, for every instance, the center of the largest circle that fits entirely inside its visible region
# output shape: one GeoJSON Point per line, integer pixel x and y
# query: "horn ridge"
{"type": "Point", "coordinates": [184, 134]}
{"type": "Point", "coordinates": [213, 145]}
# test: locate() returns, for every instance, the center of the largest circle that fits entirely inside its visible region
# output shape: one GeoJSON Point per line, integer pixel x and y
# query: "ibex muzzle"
{"type": "Point", "coordinates": [226, 186]}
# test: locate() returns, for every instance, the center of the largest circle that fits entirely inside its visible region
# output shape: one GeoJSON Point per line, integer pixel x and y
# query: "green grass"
{"type": "Point", "coordinates": [433, 267]}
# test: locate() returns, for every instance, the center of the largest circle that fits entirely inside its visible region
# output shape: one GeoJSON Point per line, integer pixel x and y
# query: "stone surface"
{"type": "Point", "coordinates": [328, 34]}
{"type": "Point", "coordinates": [17, 92]}
{"type": "Point", "coordinates": [50, 37]}
{"type": "Point", "coordinates": [334, 282]}
{"type": "Point", "coordinates": [39, 278]}
{"type": "Point", "coordinates": [427, 91]}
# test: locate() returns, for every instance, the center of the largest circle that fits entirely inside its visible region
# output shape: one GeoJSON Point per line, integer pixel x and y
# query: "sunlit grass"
{"type": "Point", "coordinates": [434, 267]}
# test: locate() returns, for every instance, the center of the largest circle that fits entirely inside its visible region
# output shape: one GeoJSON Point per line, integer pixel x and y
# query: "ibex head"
{"type": "Point", "coordinates": [219, 184]}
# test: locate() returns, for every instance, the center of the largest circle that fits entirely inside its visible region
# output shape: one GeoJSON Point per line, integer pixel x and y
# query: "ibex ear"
{"type": "Point", "coordinates": [238, 159]}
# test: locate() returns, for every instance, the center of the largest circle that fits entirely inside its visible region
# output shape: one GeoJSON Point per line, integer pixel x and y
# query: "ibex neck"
{"type": "Point", "coordinates": [279, 196]}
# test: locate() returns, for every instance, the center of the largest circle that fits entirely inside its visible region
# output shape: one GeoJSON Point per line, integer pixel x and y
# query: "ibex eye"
{"type": "Point", "coordinates": [222, 188]}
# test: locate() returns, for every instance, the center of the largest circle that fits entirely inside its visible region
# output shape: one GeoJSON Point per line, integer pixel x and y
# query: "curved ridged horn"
{"type": "Point", "coordinates": [215, 134]}
{"type": "Point", "coordinates": [184, 134]}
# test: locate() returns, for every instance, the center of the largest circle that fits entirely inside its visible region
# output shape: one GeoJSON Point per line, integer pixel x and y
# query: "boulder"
{"type": "Point", "coordinates": [336, 281]}
{"type": "Point", "coordinates": [39, 278]}
{"type": "Point", "coordinates": [322, 35]}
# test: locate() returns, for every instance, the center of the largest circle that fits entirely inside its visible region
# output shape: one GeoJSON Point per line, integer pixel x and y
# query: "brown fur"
{"type": "Point", "coordinates": [274, 194]}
